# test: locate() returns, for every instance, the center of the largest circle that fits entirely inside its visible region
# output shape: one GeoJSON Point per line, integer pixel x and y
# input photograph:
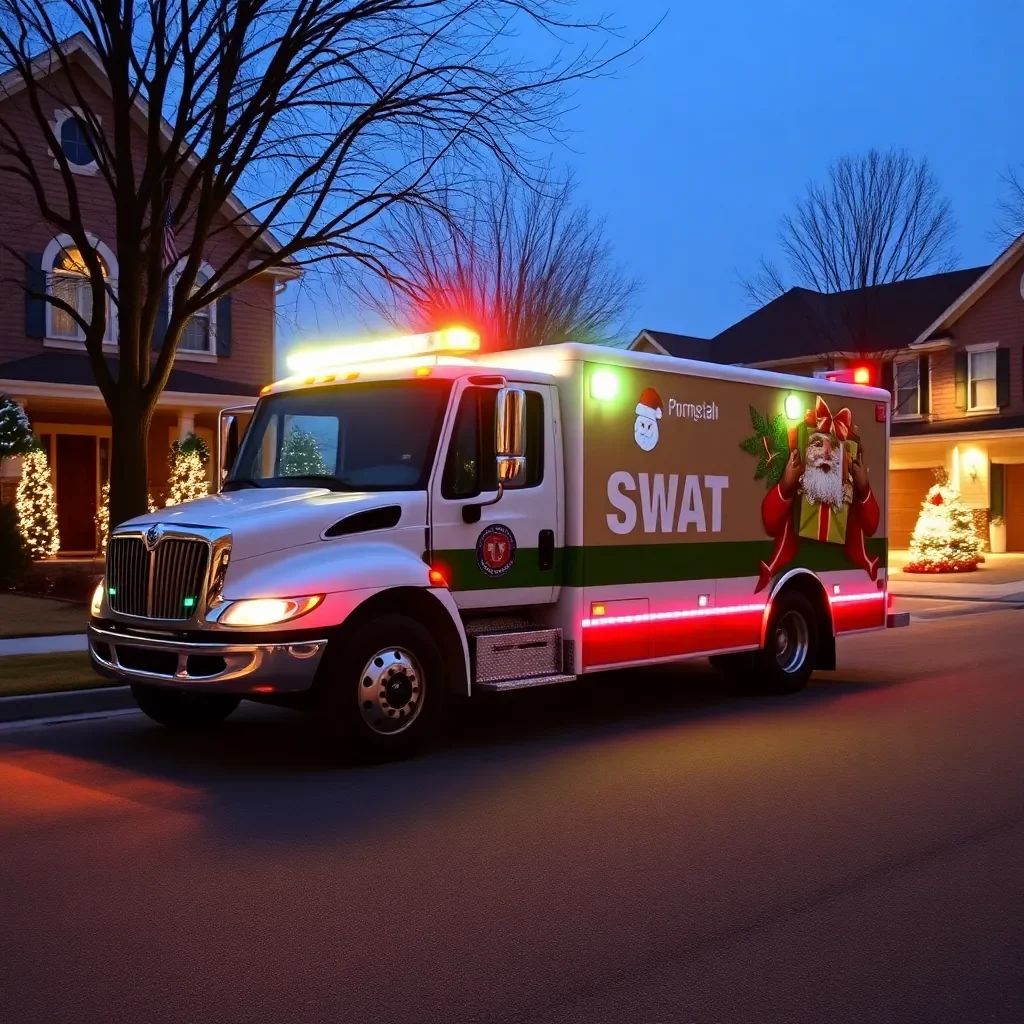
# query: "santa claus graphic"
{"type": "Point", "coordinates": [832, 493]}
{"type": "Point", "coordinates": [648, 412]}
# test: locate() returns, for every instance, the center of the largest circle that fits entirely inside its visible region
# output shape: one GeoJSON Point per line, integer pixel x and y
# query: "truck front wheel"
{"type": "Point", "coordinates": [181, 709]}
{"type": "Point", "coordinates": [381, 688]}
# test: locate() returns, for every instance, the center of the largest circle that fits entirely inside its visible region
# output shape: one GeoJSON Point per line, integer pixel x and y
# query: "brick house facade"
{"type": "Point", "coordinates": [224, 357]}
{"type": "Point", "coordinates": [951, 349]}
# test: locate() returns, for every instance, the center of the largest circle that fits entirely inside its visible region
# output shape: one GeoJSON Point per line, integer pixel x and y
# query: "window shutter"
{"type": "Point", "coordinates": [960, 379]}
{"type": "Point", "coordinates": [163, 315]}
{"type": "Point", "coordinates": [224, 326]}
{"type": "Point", "coordinates": [1002, 377]}
{"type": "Point", "coordinates": [35, 306]}
{"type": "Point", "coordinates": [889, 378]}
{"type": "Point", "coordinates": [924, 379]}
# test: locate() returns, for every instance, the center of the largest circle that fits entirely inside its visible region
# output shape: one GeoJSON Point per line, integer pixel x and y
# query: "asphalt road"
{"type": "Point", "coordinates": [642, 848]}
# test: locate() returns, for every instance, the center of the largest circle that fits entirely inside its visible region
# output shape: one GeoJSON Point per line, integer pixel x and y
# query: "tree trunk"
{"type": "Point", "coordinates": [129, 433]}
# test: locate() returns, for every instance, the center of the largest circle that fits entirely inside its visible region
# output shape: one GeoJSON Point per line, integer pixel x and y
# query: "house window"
{"type": "Point", "coordinates": [981, 379]}
{"type": "Point", "coordinates": [76, 142]}
{"type": "Point", "coordinates": [907, 387]}
{"type": "Point", "coordinates": [68, 281]}
{"type": "Point", "coordinates": [200, 333]}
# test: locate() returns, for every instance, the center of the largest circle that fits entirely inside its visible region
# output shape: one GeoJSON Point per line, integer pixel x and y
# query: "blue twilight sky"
{"type": "Point", "coordinates": [694, 151]}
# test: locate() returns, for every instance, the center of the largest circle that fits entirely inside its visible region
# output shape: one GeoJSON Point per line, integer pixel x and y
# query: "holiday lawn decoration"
{"type": "Point", "coordinates": [300, 455]}
{"type": "Point", "coordinates": [188, 460]}
{"type": "Point", "coordinates": [15, 432]}
{"type": "Point", "coordinates": [36, 505]}
{"type": "Point", "coordinates": [818, 487]}
{"type": "Point", "coordinates": [944, 539]}
{"type": "Point", "coordinates": [103, 515]}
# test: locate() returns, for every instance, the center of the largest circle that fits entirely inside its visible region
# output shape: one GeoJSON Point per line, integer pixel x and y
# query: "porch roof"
{"type": "Point", "coordinates": [73, 369]}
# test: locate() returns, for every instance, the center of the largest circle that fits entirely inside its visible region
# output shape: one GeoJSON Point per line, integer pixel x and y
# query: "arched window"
{"type": "Point", "coordinates": [200, 333]}
{"type": "Point", "coordinates": [67, 279]}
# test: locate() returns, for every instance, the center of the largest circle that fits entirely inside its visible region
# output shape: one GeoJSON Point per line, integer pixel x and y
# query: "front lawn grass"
{"type": "Point", "coordinates": [47, 673]}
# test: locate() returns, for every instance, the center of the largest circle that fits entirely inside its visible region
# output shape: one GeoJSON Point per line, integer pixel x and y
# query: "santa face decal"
{"type": "Point", "coordinates": [823, 479]}
{"type": "Point", "coordinates": [648, 412]}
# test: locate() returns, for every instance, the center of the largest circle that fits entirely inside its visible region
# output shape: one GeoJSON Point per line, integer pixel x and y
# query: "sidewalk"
{"type": "Point", "coordinates": [999, 578]}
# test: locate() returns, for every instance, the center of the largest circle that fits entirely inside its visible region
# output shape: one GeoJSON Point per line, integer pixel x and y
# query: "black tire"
{"type": "Point", "coordinates": [738, 669]}
{"type": "Point", "coordinates": [397, 713]}
{"type": "Point", "coordinates": [790, 652]}
{"type": "Point", "coordinates": [183, 709]}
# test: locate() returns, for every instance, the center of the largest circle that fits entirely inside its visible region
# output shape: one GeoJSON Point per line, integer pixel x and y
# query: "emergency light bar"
{"type": "Point", "coordinates": [451, 340]}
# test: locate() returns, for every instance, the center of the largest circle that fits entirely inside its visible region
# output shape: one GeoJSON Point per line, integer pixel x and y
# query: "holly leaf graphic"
{"type": "Point", "coordinates": [769, 445]}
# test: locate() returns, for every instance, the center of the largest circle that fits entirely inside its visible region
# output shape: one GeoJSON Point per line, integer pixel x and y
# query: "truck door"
{"type": "Point", "coordinates": [506, 553]}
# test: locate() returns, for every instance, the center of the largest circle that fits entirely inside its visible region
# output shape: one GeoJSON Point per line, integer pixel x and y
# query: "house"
{"type": "Point", "coordinates": [225, 354]}
{"type": "Point", "coordinates": [949, 346]}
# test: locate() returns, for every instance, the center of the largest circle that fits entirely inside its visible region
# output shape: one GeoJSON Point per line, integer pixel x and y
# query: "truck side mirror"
{"type": "Point", "coordinates": [228, 444]}
{"type": "Point", "coordinates": [510, 434]}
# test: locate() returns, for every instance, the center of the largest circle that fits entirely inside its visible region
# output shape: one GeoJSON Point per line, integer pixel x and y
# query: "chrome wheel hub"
{"type": "Point", "coordinates": [792, 642]}
{"type": "Point", "coordinates": [391, 691]}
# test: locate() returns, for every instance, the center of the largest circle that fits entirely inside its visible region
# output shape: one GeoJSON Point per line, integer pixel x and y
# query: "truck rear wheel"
{"type": "Point", "coordinates": [382, 688]}
{"type": "Point", "coordinates": [790, 652]}
{"type": "Point", "coordinates": [182, 709]}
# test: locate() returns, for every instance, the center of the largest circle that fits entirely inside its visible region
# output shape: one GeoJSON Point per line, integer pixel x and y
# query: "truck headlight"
{"type": "Point", "coordinates": [96, 605]}
{"type": "Point", "coordinates": [267, 611]}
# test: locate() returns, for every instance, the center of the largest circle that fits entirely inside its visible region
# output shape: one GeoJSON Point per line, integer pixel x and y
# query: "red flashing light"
{"type": "Point", "coordinates": [437, 578]}
{"type": "Point", "coordinates": [862, 375]}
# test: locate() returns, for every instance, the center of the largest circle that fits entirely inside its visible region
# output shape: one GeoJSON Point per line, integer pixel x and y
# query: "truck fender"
{"type": "Point", "coordinates": [436, 609]}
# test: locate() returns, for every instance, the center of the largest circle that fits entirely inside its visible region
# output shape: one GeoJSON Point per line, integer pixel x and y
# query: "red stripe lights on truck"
{"type": "Point", "coordinates": [598, 617]}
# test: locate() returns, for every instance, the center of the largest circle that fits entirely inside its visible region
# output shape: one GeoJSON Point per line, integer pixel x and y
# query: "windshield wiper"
{"type": "Point", "coordinates": [238, 484]}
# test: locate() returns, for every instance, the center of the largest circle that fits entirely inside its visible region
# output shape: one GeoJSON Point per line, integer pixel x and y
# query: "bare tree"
{"type": "Point", "coordinates": [290, 128]}
{"type": "Point", "coordinates": [876, 218]}
{"type": "Point", "coordinates": [522, 264]}
{"type": "Point", "coordinates": [1010, 207]}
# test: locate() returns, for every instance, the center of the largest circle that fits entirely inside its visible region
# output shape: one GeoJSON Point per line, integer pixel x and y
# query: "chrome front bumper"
{"type": "Point", "coordinates": [238, 668]}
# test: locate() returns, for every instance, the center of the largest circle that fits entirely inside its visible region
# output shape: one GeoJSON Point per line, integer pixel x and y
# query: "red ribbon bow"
{"type": "Point", "coordinates": [822, 419]}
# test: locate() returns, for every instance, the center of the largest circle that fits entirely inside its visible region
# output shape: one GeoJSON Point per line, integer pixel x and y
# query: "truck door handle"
{"type": "Point", "coordinates": [546, 549]}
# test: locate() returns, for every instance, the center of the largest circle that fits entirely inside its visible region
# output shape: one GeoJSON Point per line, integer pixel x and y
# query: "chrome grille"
{"type": "Point", "coordinates": [166, 583]}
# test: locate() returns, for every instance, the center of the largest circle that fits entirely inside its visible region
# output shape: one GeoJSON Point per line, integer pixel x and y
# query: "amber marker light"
{"type": "Point", "coordinates": [597, 610]}
{"type": "Point", "coordinates": [437, 578]}
{"type": "Point", "coordinates": [422, 371]}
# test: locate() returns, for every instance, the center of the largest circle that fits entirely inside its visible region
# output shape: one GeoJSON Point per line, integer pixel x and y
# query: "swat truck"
{"type": "Point", "coordinates": [412, 520]}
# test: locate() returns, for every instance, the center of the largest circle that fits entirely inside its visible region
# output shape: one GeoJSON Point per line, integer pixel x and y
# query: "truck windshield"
{"type": "Point", "coordinates": [362, 437]}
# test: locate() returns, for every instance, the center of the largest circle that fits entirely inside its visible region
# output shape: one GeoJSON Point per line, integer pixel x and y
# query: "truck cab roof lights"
{"type": "Point", "coordinates": [451, 340]}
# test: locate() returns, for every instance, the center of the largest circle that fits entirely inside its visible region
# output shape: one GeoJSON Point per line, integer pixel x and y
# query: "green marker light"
{"type": "Point", "coordinates": [604, 385]}
{"type": "Point", "coordinates": [111, 591]}
{"type": "Point", "coordinates": [794, 409]}
{"type": "Point", "coordinates": [190, 602]}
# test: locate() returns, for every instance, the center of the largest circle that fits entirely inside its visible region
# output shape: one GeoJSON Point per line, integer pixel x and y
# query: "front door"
{"type": "Point", "coordinates": [76, 492]}
{"type": "Point", "coordinates": [511, 556]}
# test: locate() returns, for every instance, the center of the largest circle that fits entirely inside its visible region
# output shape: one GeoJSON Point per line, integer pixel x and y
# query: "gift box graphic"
{"type": "Point", "coordinates": [820, 520]}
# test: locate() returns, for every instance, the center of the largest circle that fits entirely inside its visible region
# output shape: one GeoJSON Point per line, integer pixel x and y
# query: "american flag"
{"type": "Point", "coordinates": [170, 246]}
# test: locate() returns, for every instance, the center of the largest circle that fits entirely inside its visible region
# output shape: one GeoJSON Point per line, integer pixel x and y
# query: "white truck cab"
{"type": "Point", "coordinates": [414, 521]}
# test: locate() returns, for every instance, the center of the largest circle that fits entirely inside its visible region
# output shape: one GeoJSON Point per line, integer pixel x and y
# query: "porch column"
{"type": "Point", "coordinates": [186, 423]}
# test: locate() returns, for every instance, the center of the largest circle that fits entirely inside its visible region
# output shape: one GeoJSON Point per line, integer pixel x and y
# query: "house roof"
{"type": "Point", "coordinates": [683, 346]}
{"type": "Point", "coordinates": [802, 323]}
{"type": "Point", "coordinates": [79, 45]}
{"type": "Point", "coordinates": [74, 368]}
{"type": "Point", "coordinates": [970, 295]}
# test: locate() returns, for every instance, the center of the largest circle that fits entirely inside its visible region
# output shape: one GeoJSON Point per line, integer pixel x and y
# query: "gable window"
{"type": "Point", "coordinates": [907, 388]}
{"type": "Point", "coordinates": [981, 379]}
{"type": "Point", "coordinates": [67, 279]}
{"type": "Point", "coordinates": [200, 333]}
{"type": "Point", "coordinates": [77, 140]}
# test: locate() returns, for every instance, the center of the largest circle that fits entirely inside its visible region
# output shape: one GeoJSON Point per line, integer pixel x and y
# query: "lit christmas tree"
{"type": "Point", "coordinates": [944, 539]}
{"type": "Point", "coordinates": [300, 455]}
{"type": "Point", "coordinates": [103, 515]}
{"type": "Point", "coordinates": [37, 509]}
{"type": "Point", "coordinates": [188, 470]}
{"type": "Point", "coordinates": [15, 432]}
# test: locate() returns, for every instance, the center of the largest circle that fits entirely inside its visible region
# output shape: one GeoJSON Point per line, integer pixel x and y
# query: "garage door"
{"type": "Point", "coordinates": [1014, 477]}
{"type": "Point", "coordinates": [907, 488]}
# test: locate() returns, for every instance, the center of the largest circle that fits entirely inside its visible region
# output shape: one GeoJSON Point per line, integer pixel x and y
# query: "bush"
{"type": "Point", "coordinates": [14, 553]}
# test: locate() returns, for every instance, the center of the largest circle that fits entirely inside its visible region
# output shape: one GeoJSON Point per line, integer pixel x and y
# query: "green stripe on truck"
{"type": "Point", "coordinates": [643, 563]}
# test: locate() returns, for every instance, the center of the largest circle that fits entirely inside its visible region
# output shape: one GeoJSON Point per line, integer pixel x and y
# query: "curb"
{"type": "Point", "coordinates": [68, 702]}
